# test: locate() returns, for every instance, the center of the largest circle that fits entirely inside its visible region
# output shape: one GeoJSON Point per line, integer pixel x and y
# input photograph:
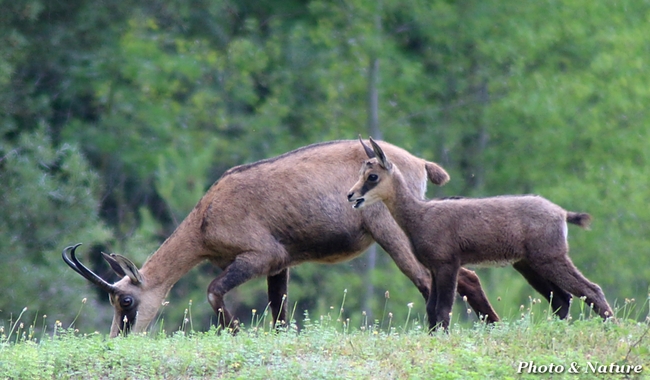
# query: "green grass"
{"type": "Point", "coordinates": [331, 348]}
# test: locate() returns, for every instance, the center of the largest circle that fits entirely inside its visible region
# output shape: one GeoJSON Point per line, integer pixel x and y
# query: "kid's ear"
{"type": "Point", "coordinates": [381, 157]}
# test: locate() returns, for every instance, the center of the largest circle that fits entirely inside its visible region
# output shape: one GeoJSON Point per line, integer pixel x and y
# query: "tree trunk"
{"type": "Point", "coordinates": [375, 132]}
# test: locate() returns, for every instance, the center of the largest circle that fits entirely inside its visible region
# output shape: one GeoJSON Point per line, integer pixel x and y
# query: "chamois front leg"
{"type": "Point", "coordinates": [394, 241]}
{"type": "Point", "coordinates": [445, 279]}
{"type": "Point", "coordinates": [431, 304]}
{"type": "Point", "coordinates": [245, 267]}
{"type": "Point", "coordinates": [217, 289]}
{"type": "Point", "coordinates": [278, 296]}
{"type": "Point", "coordinates": [388, 234]}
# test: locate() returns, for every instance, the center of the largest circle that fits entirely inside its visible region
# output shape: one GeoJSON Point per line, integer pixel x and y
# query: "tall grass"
{"type": "Point", "coordinates": [534, 312]}
{"type": "Point", "coordinates": [331, 347]}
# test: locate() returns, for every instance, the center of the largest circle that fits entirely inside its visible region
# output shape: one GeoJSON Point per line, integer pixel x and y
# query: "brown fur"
{"type": "Point", "coordinates": [526, 231]}
{"type": "Point", "coordinates": [262, 218]}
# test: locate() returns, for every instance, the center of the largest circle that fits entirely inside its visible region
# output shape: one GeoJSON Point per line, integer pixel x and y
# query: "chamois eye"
{"type": "Point", "coordinates": [126, 302]}
{"type": "Point", "coordinates": [373, 178]}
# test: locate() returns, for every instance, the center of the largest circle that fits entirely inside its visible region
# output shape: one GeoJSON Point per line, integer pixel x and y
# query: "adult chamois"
{"type": "Point", "coordinates": [528, 232]}
{"type": "Point", "coordinates": [262, 218]}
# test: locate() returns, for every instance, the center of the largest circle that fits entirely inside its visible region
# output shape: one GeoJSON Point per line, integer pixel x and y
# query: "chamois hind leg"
{"type": "Point", "coordinates": [445, 279]}
{"type": "Point", "coordinates": [561, 271]}
{"type": "Point", "coordinates": [560, 300]}
{"type": "Point", "coordinates": [469, 286]}
{"type": "Point", "coordinates": [245, 267]}
{"type": "Point", "coordinates": [278, 296]}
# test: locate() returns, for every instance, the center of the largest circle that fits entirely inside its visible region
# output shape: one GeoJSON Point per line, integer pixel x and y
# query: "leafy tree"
{"type": "Point", "coordinates": [49, 196]}
{"type": "Point", "coordinates": [153, 101]}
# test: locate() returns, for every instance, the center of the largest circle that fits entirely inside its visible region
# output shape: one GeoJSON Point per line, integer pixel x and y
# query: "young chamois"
{"type": "Point", "coordinates": [262, 218]}
{"type": "Point", "coordinates": [528, 232]}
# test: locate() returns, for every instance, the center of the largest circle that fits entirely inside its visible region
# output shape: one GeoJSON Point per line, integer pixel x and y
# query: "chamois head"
{"type": "Point", "coordinates": [374, 178]}
{"type": "Point", "coordinates": [132, 313]}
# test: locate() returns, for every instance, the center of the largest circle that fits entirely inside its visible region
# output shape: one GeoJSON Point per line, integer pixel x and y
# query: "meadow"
{"type": "Point", "coordinates": [528, 344]}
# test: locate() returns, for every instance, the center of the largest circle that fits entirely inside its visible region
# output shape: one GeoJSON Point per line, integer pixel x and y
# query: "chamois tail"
{"type": "Point", "coordinates": [580, 218]}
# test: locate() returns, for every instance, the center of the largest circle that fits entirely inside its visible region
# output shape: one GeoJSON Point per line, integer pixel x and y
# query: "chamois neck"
{"type": "Point", "coordinates": [175, 257]}
{"type": "Point", "coordinates": [403, 204]}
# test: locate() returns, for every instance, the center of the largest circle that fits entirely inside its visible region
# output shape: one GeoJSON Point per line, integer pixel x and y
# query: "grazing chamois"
{"type": "Point", "coordinates": [260, 219]}
{"type": "Point", "coordinates": [528, 232]}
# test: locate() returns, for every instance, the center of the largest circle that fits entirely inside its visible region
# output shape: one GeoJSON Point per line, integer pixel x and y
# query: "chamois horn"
{"type": "Point", "coordinates": [369, 151]}
{"type": "Point", "coordinates": [86, 273]}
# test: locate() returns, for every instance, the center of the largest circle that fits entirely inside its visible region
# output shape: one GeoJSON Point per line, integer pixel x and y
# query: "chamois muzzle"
{"type": "Point", "coordinates": [357, 202]}
{"type": "Point", "coordinates": [86, 273]}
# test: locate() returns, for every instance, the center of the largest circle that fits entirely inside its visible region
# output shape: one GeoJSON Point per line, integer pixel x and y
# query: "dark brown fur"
{"type": "Point", "coordinates": [526, 231]}
{"type": "Point", "coordinates": [262, 218]}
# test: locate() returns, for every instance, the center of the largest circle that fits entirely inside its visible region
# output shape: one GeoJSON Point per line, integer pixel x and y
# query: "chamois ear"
{"type": "Point", "coordinates": [381, 157]}
{"type": "Point", "coordinates": [437, 175]}
{"type": "Point", "coordinates": [123, 267]}
{"type": "Point", "coordinates": [368, 150]}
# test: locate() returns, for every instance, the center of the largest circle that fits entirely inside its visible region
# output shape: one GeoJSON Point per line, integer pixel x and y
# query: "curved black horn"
{"type": "Point", "coordinates": [67, 260]}
{"type": "Point", "coordinates": [369, 151]}
{"type": "Point", "coordinates": [83, 271]}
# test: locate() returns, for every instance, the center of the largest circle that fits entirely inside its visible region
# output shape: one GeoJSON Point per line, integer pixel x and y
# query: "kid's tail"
{"type": "Point", "coordinates": [582, 219]}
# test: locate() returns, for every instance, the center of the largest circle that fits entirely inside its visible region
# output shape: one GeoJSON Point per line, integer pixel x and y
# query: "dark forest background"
{"type": "Point", "coordinates": [115, 118]}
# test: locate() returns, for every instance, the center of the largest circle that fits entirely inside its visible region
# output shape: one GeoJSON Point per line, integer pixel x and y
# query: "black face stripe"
{"type": "Point", "coordinates": [367, 186]}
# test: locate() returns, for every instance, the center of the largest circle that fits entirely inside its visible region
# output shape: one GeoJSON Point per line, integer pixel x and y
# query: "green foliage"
{"type": "Point", "coordinates": [49, 196]}
{"type": "Point", "coordinates": [148, 103]}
